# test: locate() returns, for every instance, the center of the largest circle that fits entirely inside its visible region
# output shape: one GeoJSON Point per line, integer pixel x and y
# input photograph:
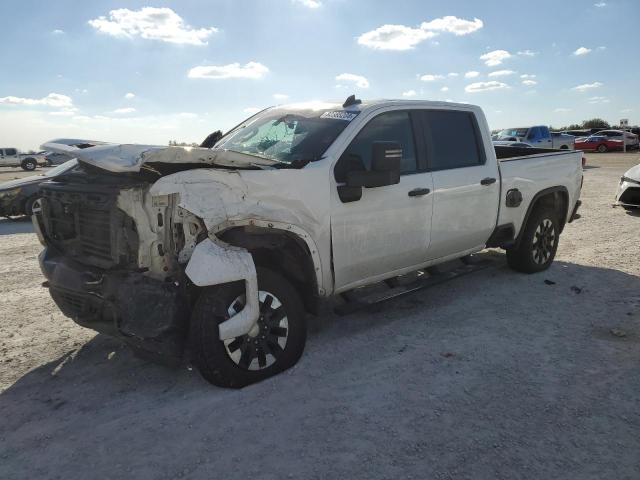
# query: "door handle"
{"type": "Point", "coordinates": [487, 181]}
{"type": "Point", "coordinates": [418, 192]}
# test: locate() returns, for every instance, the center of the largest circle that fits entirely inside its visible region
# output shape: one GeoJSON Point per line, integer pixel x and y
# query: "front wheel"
{"type": "Point", "coordinates": [539, 242]}
{"type": "Point", "coordinates": [273, 345]}
{"type": "Point", "coordinates": [29, 164]}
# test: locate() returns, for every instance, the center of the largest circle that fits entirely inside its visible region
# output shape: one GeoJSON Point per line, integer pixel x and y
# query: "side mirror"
{"type": "Point", "coordinates": [386, 158]}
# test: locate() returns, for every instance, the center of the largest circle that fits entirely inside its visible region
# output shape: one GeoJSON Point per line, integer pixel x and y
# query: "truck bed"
{"type": "Point", "coordinates": [534, 170]}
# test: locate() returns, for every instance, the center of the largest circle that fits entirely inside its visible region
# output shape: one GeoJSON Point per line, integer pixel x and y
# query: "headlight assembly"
{"type": "Point", "coordinates": [629, 180]}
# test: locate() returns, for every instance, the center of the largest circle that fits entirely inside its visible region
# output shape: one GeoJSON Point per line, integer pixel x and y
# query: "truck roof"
{"type": "Point", "coordinates": [365, 105]}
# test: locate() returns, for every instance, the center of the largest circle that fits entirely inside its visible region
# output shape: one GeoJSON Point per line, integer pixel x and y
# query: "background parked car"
{"type": "Point", "coordinates": [629, 189]}
{"type": "Point", "coordinates": [512, 143]}
{"type": "Point", "coordinates": [598, 143]}
{"type": "Point", "coordinates": [11, 157]}
{"type": "Point", "coordinates": [538, 136]}
{"type": "Point", "coordinates": [17, 196]}
{"type": "Point", "coordinates": [55, 158]}
{"type": "Point", "coordinates": [630, 139]}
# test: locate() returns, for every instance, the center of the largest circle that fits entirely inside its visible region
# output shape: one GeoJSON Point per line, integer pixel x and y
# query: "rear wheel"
{"type": "Point", "coordinates": [602, 148]}
{"type": "Point", "coordinates": [29, 164]}
{"type": "Point", "coordinates": [539, 242]}
{"type": "Point", "coordinates": [273, 345]}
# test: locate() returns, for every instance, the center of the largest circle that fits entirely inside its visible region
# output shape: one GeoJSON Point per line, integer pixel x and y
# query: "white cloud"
{"type": "Point", "coordinates": [601, 47]}
{"type": "Point", "coordinates": [358, 80]}
{"type": "Point", "coordinates": [600, 4]}
{"type": "Point", "coordinates": [52, 100]}
{"type": "Point", "coordinates": [124, 111]}
{"type": "Point", "coordinates": [430, 78]}
{"type": "Point", "coordinates": [496, 57]}
{"type": "Point", "coordinates": [452, 74]}
{"type": "Point", "coordinates": [471, 74]}
{"type": "Point", "coordinates": [451, 24]}
{"type": "Point", "coordinates": [402, 37]}
{"type": "Point", "coordinates": [527, 75]}
{"type": "Point", "coordinates": [582, 51]}
{"type": "Point", "coordinates": [409, 93]}
{"type": "Point", "coordinates": [129, 96]}
{"type": "Point", "coordinates": [153, 24]}
{"type": "Point", "coordinates": [394, 37]}
{"type": "Point", "coordinates": [598, 100]}
{"type": "Point", "coordinates": [444, 89]}
{"type": "Point", "coordinates": [309, 3]}
{"type": "Point", "coordinates": [187, 115]}
{"type": "Point", "coordinates": [253, 70]}
{"type": "Point", "coordinates": [562, 110]}
{"type": "Point", "coordinates": [57, 31]}
{"type": "Point", "coordinates": [501, 73]}
{"type": "Point", "coordinates": [527, 53]}
{"type": "Point", "coordinates": [587, 86]}
{"type": "Point", "coordinates": [63, 113]}
{"type": "Point", "coordinates": [280, 96]}
{"type": "Point", "coordinates": [485, 86]}
{"type": "Point", "coordinates": [251, 110]}
{"type": "Point", "coordinates": [626, 110]}
{"type": "Point", "coordinates": [529, 83]}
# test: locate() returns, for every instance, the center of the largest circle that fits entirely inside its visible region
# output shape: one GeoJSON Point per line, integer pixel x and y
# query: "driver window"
{"type": "Point", "coordinates": [391, 127]}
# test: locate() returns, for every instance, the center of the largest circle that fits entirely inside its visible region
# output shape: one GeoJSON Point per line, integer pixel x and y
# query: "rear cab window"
{"type": "Point", "coordinates": [452, 139]}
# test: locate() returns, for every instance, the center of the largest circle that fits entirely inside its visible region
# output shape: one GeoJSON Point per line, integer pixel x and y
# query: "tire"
{"type": "Point", "coordinates": [49, 163]}
{"type": "Point", "coordinates": [28, 206]}
{"type": "Point", "coordinates": [29, 164]}
{"type": "Point", "coordinates": [602, 148]}
{"type": "Point", "coordinates": [236, 363]}
{"type": "Point", "coordinates": [538, 244]}
{"type": "Point", "coordinates": [564, 147]}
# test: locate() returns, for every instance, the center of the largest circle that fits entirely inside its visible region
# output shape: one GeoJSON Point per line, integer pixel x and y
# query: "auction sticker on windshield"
{"type": "Point", "coordinates": [340, 115]}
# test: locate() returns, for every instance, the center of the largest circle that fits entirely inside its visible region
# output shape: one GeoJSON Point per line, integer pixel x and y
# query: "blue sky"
{"type": "Point", "coordinates": [192, 67]}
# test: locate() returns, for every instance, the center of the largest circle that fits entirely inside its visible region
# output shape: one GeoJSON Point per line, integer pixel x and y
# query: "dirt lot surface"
{"type": "Point", "coordinates": [494, 375]}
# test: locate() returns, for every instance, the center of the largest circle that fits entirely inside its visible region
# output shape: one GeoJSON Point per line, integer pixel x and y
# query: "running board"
{"type": "Point", "coordinates": [356, 300]}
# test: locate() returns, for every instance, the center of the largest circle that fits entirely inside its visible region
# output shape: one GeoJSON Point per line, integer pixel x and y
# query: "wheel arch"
{"type": "Point", "coordinates": [555, 197]}
{"type": "Point", "coordinates": [283, 251]}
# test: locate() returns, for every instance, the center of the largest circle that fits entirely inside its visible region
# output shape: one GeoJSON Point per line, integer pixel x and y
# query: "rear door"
{"type": "Point", "coordinates": [466, 183]}
{"type": "Point", "coordinates": [388, 228]}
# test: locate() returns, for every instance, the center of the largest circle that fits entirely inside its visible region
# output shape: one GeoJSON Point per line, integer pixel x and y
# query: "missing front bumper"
{"type": "Point", "coordinates": [150, 315]}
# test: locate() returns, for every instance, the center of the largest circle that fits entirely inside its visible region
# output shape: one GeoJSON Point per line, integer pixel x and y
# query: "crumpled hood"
{"type": "Point", "coordinates": [633, 173]}
{"type": "Point", "coordinates": [129, 158]}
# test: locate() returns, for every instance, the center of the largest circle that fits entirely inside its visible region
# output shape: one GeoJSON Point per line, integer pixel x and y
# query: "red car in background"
{"type": "Point", "coordinates": [598, 143]}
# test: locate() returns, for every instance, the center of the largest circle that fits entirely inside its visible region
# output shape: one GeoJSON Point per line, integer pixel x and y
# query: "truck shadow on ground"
{"type": "Point", "coordinates": [470, 337]}
{"type": "Point", "coordinates": [106, 365]}
{"type": "Point", "coordinates": [13, 225]}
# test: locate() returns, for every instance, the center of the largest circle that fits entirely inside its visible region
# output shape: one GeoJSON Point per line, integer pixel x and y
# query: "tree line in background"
{"type": "Point", "coordinates": [591, 123]}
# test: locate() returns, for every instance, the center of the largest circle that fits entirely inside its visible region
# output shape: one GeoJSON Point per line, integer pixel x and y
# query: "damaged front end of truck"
{"type": "Point", "coordinates": [130, 238]}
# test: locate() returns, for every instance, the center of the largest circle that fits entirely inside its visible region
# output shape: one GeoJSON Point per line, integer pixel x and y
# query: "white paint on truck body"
{"type": "Point", "coordinates": [384, 234]}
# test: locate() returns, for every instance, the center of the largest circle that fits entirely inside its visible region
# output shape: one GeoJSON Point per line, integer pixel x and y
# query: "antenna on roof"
{"type": "Point", "coordinates": [351, 100]}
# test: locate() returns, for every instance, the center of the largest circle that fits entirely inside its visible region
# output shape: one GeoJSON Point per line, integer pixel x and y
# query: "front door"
{"type": "Point", "coordinates": [388, 229]}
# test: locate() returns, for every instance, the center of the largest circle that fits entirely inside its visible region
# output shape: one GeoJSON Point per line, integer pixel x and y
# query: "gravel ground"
{"type": "Point", "coordinates": [494, 375]}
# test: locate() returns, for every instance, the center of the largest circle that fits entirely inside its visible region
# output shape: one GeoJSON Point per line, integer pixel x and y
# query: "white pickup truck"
{"type": "Point", "coordinates": [538, 136]}
{"type": "Point", "coordinates": [227, 249]}
{"type": "Point", "coordinates": [11, 157]}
